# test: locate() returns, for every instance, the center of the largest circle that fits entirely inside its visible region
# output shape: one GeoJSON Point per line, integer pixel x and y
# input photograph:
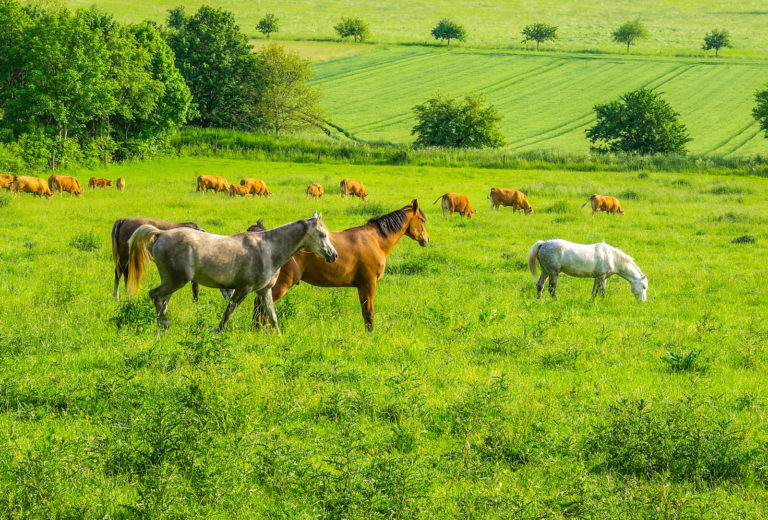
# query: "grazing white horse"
{"type": "Point", "coordinates": [598, 261]}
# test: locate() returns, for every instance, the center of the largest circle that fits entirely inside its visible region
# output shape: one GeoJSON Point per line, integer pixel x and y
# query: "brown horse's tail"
{"type": "Point", "coordinates": [115, 234]}
{"type": "Point", "coordinates": [440, 197]}
{"type": "Point", "coordinates": [533, 255]}
{"type": "Point", "coordinates": [139, 256]}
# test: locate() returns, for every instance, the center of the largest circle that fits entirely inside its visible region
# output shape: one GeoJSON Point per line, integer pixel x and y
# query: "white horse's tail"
{"type": "Point", "coordinates": [139, 256]}
{"type": "Point", "coordinates": [533, 255]}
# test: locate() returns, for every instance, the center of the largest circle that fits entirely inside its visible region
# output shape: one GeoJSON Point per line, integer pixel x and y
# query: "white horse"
{"type": "Point", "coordinates": [598, 261]}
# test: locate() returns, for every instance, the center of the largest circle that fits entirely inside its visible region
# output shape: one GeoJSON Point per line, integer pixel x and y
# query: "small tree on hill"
{"type": "Point", "coordinates": [639, 122]}
{"type": "Point", "coordinates": [539, 32]}
{"type": "Point", "coordinates": [268, 25]}
{"type": "Point", "coordinates": [717, 39]}
{"type": "Point", "coordinates": [629, 32]}
{"type": "Point", "coordinates": [448, 30]}
{"type": "Point", "coordinates": [443, 121]}
{"type": "Point", "coordinates": [354, 27]}
{"type": "Point", "coordinates": [760, 112]}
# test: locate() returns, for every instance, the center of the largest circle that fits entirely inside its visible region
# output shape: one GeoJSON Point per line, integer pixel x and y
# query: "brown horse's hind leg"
{"type": "Point", "coordinates": [118, 274]}
{"type": "Point", "coordinates": [268, 305]}
{"type": "Point", "coordinates": [366, 293]}
{"type": "Point", "coordinates": [195, 291]}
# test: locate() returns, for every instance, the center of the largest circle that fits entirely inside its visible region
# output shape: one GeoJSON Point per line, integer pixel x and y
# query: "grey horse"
{"type": "Point", "coordinates": [598, 261]}
{"type": "Point", "coordinates": [244, 262]}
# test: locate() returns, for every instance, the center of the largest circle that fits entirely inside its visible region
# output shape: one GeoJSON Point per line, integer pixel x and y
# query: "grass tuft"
{"type": "Point", "coordinates": [85, 242]}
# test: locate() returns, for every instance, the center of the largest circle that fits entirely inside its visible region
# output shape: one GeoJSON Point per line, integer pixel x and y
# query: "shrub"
{"type": "Point", "coordinates": [134, 314]}
{"type": "Point", "coordinates": [745, 239]}
{"type": "Point", "coordinates": [86, 242]}
{"type": "Point", "coordinates": [683, 362]}
{"type": "Point", "coordinates": [446, 122]}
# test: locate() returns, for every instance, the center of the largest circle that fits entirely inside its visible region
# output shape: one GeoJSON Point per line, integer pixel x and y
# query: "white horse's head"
{"type": "Point", "coordinates": [318, 239]}
{"type": "Point", "coordinates": [639, 287]}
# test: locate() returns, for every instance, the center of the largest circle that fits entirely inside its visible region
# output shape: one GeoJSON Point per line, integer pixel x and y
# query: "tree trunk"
{"type": "Point", "coordinates": [449, 42]}
{"type": "Point", "coordinates": [628, 47]}
{"type": "Point", "coordinates": [537, 44]}
{"type": "Point", "coordinates": [716, 49]}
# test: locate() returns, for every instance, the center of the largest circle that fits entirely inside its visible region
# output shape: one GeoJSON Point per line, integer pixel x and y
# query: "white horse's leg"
{"type": "Point", "coordinates": [602, 285]}
{"type": "Point", "coordinates": [552, 286]}
{"type": "Point", "coordinates": [237, 297]}
{"type": "Point", "coordinates": [596, 286]}
{"type": "Point", "coordinates": [540, 283]}
{"type": "Point", "coordinates": [160, 296]}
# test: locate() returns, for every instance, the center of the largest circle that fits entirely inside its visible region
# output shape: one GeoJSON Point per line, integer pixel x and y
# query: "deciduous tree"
{"type": "Point", "coordinates": [268, 25]}
{"type": "Point", "coordinates": [716, 39]}
{"type": "Point", "coordinates": [448, 30]}
{"type": "Point", "coordinates": [444, 121]}
{"type": "Point", "coordinates": [354, 27]}
{"type": "Point", "coordinates": [539, 32]}
{"type": "Point", "coordinates": [629, 32]}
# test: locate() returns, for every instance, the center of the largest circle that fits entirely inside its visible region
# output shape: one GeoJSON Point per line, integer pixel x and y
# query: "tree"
{"type": "Point", "coordinates": [219, 67]}
{"type": "Point", "coordinates": [717, 39]}
{"type": "Point", "coordinates": [443, 121]}
{"type": "Point", "coordinates": [268, 25]}
{"type": "Point", "coordinates": [760, 112]}
{"type": "Point", "coordinates": [287, 102]}
{"type": "Point", "coordinates": [449, 30]}
{"type": "Point", "coordinates": [639, 122]}
{"type": "Point", "coordinates": [629, 32]}
{"type": "Point", "coordinates": [354, 27]}
{"type": "Point", "coordinates": [539, 32]}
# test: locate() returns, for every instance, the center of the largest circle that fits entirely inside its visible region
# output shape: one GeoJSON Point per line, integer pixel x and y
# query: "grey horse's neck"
{"type": "Point", "coordinates": [285, 241]}
{"type": "Point", "coordinates": [629, 270]}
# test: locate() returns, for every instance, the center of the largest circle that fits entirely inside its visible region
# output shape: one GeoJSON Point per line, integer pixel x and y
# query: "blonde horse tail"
{"type": "Point", "coordinates": [139, 256]}
{"type": "Point", "coordinates": [533, 255]}
{"type": "Point", "coordinates": [440, 197]}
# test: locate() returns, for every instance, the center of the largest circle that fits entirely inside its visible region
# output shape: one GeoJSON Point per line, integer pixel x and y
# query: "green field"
{"type": "Point", "coordinates": [673, 25]}
{"type": "Point", "coordinates": [471, 399]}
{"type": "Point", "coordinates": [546, 100]}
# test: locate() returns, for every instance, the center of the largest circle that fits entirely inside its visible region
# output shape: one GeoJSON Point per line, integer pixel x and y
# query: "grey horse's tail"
{"type": "Point", "coordinates": [533, 255]}
{"type": "Point", "coordinates": [139, 256]}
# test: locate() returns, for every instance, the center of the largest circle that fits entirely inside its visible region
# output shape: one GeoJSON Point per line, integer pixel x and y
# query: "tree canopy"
{"type": "Point", "coordinates": [447, 122]}
{"type": "Point", "coordinates": [629, 32]}
{"type": "Point", "coordinates": [717, 39]}
{"type": "Point", "coordinates": [539, 32]}
{"type": "Point", "coordinates": [639, 122]}
{"type": "Point", "coordinates": [354, 27]}
{"type": "Point", "coordinates": [268, 25]}
{"type": "Point", "coordinates": [448, 30]}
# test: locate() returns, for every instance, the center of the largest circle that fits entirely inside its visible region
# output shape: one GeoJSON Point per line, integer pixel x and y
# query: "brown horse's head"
{"type": "Point", "coordinates": [416, 229]}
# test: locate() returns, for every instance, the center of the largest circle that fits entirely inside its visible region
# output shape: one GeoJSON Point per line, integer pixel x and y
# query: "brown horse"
{"type": "Point", "coordinates": [362, 259]}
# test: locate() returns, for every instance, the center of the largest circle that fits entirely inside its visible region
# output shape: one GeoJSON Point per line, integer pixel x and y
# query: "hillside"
{"type": "Point", "coordinates": [546, 99]}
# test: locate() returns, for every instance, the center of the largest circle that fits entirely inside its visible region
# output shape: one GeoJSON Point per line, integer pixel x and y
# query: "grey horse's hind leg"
{"type": "Point", "coordinates": [237, 297]}
{"type": "Point", "coordinates": [596, 285]}
{"type": "Point", "coordinates": [553, 284]}
{"type": "Point", "coordinates": [160, 296]}
{"type": "Point", "coordinates": [540, 284]}
{"type": "Point", "coordinates": [602, 287]}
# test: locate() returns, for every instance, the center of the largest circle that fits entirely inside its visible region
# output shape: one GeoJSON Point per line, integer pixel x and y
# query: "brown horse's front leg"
{"type": "Point", "coordinates": [366, 293]}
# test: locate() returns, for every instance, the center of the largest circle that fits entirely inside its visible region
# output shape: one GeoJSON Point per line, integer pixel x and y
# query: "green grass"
{"type": "Point", "coordinates": [546, 100]}
{"type": "Point", "coordinates": [470, 399]}
{"type": "Point", "coordinates": [674, 26]}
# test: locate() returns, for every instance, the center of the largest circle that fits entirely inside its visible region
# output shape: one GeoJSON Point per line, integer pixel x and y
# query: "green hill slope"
{"type": "Point", "coordinates": [546, 99]}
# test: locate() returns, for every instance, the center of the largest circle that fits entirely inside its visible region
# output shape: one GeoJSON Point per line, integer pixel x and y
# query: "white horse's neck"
{"type": "Point", "coordinates": [627, 268]}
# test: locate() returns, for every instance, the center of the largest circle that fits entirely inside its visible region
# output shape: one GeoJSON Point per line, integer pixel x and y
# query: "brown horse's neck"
{"type": "Point", "coordinates": [387, 242]}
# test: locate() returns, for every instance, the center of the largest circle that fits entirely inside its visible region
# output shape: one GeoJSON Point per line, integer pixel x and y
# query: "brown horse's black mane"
{"type": "Point", "coordinates": [391, 222]}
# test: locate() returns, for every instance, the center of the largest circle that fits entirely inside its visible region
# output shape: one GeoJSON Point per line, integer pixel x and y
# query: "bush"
{"type": "Point", "coordinates": [446, 122]}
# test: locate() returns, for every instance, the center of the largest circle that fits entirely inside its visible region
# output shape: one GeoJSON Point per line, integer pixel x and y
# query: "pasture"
{"type": "Point", "coordinates": [469, 399]}
{"type": "Point", "coordinates": [546, 100]}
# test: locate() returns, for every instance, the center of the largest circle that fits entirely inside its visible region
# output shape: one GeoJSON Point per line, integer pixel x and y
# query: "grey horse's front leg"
{"type": "Point", "coordinates": [540, 284]}
{"type": "Point", "coordinates": [268, 306]}
{"type": "Point", "coordinates": [602, 286]}
{"type": "Point", "coordinates": [553, 284]}
{"type": "Point", "coordinates": [599, 281]}
{"type": "Point", "coordinates": [237, 297]}
{"type": "Point", "coordinates": [160, 296]}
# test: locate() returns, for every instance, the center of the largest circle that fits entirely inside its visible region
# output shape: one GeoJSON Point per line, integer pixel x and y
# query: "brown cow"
{"type": "Point", "coordinates": [514, 198]}
{"type": "Point", "coordinates": [604, 203]}
{"type": "Point", "coordinates": [315, 191]}
{"type": "Point", "coordinates": [35, 186]}
{"type": "Point", "coordinates": [62, 183]}
{"type": "Point", "coordinates": [256, 187]}
{"type": "Point", "coordinates": [97, 182]}
{"type": "Point", "coordinates": [353, 187]}
{"type": "Point", "coordinates": [212, 182]}
{"type": "Point", "coordinates": [236, 189]}
{"type": "Point", "coordinates": [6, 181]}
{"type": "Point", "coordinates": [456, 202]}
{"type": "Point", "coordinates": [120, 184]}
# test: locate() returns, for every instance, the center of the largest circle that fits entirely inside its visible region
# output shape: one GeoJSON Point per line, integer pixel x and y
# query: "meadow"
{"type": "Point", "coordinates": [676, 26]}
{"type": "Point", "coordinates": [546, 99]}
{"type": "Point", "coordinates": [470, 399]}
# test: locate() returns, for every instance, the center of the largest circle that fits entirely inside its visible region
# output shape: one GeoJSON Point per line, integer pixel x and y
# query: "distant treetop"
{"type": "Point", "coordinates": [717, 39]}
{"type": "Point", "coordinates": [268, 25]}
{"type": "Point", "coordinates": [448, 30]}
{"type": "Point", "coordinates": [539, 32]}
{"type": "Point", "coordinates": [629, 32]}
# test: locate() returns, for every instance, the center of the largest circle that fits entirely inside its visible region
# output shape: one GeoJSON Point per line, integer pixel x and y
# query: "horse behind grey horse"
{"type": "Point", "coordinates": [598, 261]}
{"type": "Point", "coordinates": [243, 262]}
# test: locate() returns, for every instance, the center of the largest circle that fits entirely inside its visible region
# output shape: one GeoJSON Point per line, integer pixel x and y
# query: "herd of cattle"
{"type": "Point", "coordinates": [61, 183]}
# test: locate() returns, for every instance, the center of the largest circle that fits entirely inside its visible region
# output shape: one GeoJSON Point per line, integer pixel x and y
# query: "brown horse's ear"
{"type": "Point", "coordinates": [415, 205]}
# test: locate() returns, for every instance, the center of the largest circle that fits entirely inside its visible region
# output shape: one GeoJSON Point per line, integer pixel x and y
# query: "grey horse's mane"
{"type": "Point", "coordinates": [624, 256]}
{"type": "Point", "coordinates": [391, 222]}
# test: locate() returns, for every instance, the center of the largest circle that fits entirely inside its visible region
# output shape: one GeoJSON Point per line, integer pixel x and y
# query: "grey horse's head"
{"type": "Point", "coordinates": [639, 287]}
{"type": "Point", "coordinates": [318, 239]}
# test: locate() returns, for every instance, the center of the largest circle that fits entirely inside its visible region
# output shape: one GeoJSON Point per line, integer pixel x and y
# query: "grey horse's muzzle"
{"type": "Point", "coordinates": [331, 256]}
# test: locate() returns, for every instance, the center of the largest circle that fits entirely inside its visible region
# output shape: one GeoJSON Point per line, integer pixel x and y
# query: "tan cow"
{"type": "Point", "coordinates": [62, 183]}
{"type": "Point", "coordinates": [353, 187]}
{"type": "Point", "coordinates": [212, 182]}
{"type": "Point", "coordinates": [455, 202]}
{"type": "Point", "coordinates": [236, 189]}
{"type": "Point", "coordinates": [6, 181]}
{"type": "Point", "coordinates": [120, 184]}
{"type": "Point", "coordinates": [514, 198]}
{"type": "Point", "coordinates": [35, 186]}
{"type": "Point", "coordinates": [256, 187]}
{"type": "Point", "coordinates": [97, 182]}
{"type": "Point", "coordinates": [604, 203]}
{"type": "Point", "coordinates": [315, 191]}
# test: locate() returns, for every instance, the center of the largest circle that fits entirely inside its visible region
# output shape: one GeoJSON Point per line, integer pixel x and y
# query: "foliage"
{"type": "Point", "coordinates": [629, 32]}
{"type": "Point", "coordinates": [287, 102]}
{"type": "Point", "coordinates": [760, 110]}
{"type": "Point", "coordinates": [539, 32]}
{"type": "Point", "coordinates": [678, 362]}
{"type": "Point", "coordinates": [717, 39]}
{"type": "Point", "coordinates": [268, 25]}
{"type": "Point", "coordinates": [641, 122]}
{"type": "Point", "coordinates": [446, 122]}
{"type": "Point", "coordinates": [448, 30]}
{"type": "Point", "coordinates": [219, 67]}
{"type": "Point", "coordinates": [354, 27]}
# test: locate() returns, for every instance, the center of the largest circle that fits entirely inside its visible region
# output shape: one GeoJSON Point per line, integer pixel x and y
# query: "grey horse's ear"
{"type": "Point", "coordinates": [315, 215]}
{"type": "Point", "coordinates": [645, 277]}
